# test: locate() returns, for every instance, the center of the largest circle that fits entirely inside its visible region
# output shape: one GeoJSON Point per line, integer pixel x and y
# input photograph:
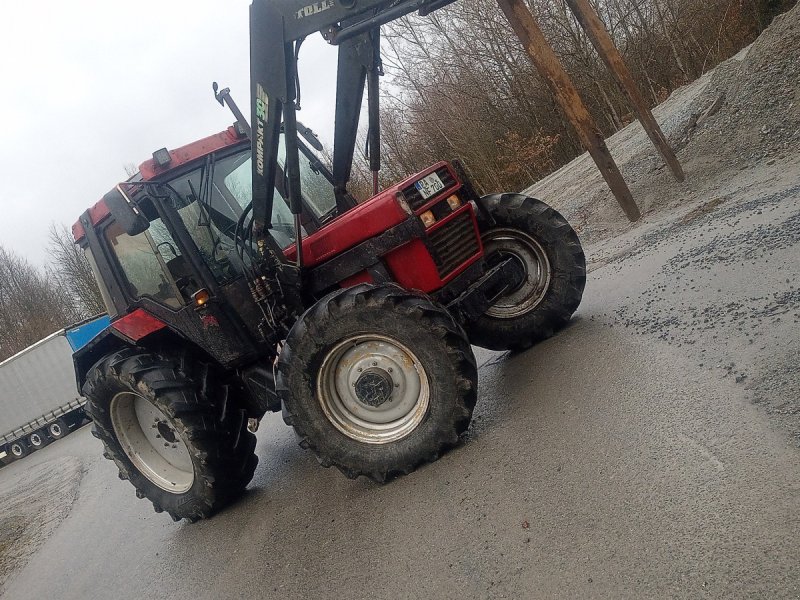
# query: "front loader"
{"type": "Point", "coordinates": [243, 278]}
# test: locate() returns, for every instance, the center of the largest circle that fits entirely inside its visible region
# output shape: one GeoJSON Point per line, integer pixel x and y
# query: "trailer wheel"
{"type": "Point", "coordinates": [38, 439]}
{"type": "Point", "coordinates": [18, 449]}
{"type": "Point", "coordinates": [58, 429]}
{"type": "Point", "coordinates": [175, 435]}
{"type": "Point", "coordinates": [550, 253]}
{"type": "Point", "coordinates": [377, 381]}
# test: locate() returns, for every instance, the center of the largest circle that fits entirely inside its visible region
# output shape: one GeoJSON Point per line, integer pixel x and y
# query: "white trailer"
{"type": "Point", "coordinates": [38, 397]}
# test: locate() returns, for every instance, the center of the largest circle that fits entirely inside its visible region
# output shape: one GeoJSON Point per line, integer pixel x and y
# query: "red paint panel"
{"type": "Point", "coordinates": [137, 325]}
{"type": "Point", "coordinates": [413, 268]}
{"type": "Point", "coordinates": [149, 169]}
{"type": "Point", "coordinates": [78, 231]}
{"type": "Point", "coordinates": [97, 213]}
{"type": "Point", "coordinates": [365, 221]}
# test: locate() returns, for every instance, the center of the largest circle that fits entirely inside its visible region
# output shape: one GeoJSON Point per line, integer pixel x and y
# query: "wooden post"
{"type": "Point", "coordinates": [607, 50]}
{"type": "Point", "coordinates": [548, 65]}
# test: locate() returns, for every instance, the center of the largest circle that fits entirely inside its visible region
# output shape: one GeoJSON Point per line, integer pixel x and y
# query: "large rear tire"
{"type": "Point", "coordinates": [172, 432]}
{"type": "Point", "coordinates": [377, 381]}
{"type": "Point", "coordinates": [550, 253]}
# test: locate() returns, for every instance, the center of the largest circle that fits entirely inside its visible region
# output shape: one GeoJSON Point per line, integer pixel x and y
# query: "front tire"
{"type": "Point", "coordinates": [175, 435]}
{"type": "Point", "coordinates": [551, 256]}
{"type": "Point", "coordinates": [377, 381]}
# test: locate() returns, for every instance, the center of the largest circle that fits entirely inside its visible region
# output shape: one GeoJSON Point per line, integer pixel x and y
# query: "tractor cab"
{"type": "Point", "coordinates": [190, 202]}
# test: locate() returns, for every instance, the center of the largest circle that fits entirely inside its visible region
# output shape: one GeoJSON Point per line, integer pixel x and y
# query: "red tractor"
{"type": "Point", "coordinates": [361, 333]}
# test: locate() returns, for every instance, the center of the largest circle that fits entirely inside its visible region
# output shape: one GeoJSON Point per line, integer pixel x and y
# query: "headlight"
{"type": "Point", "coordinates": [454, 202]}
{"type": "Point", "coordinates": [428, 218]}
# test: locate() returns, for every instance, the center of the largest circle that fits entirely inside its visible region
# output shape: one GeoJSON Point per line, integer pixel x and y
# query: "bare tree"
{"type": "Point", "coordinates": [71, 269]}
{"type": "Point", "coordinates": [461, 85]}
{"type": "Point", "coordinates": [32, 305]}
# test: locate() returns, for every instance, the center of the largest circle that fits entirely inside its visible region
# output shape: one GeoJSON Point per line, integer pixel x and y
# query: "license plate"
{"type": "Point", "coordinates": [429, 186]}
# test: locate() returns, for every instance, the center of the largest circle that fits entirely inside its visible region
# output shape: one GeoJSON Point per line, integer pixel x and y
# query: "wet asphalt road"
{"type": "Point", "coordinates": [625, 458]}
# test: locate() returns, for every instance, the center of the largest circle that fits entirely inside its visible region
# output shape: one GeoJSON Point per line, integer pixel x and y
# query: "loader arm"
{"type": "Point", "coordinates": [277, 29]}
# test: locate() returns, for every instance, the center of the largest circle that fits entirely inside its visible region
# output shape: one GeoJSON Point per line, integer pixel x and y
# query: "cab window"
{"type": "Point", "coordinates": [144, 266]}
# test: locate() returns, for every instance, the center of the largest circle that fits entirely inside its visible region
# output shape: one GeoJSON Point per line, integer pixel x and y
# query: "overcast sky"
{"type": "Point", "coordinates": [92, 85]}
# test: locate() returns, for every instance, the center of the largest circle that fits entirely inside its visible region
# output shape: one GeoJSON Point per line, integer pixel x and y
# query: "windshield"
{"type": "Point", "coordinates": [211, 199]}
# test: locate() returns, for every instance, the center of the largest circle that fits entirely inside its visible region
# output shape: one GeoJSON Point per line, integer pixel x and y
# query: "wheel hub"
{"type": "Point", "coordinates": [166, 432]}
{"type": "Point", "coordinates": [535, 270]}
{"type": "Point", "coordinates": [374, 387]}
{"type": "Point", "coordinates": [151, 443]}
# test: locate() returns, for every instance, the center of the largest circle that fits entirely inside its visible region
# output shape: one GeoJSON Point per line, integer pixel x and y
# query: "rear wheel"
{"type": "Point", "coordinates": [377, 380]}
{"type": "Point", "coordinates": [174, 434]}
{"type": "Point", "coordinates": [58, 429]}
{"type": "Point", "coordinates": [549, 254]}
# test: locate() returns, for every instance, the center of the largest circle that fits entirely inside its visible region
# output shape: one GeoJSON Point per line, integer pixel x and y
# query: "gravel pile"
{"type": "Point", "coordinates": [743, 114]}
{"type": "Point", "coordinates": [759, 116]}
{"type": "Point", "coordinates": [716, 256]}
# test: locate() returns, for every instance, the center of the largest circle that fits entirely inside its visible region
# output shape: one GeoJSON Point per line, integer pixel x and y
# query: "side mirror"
{"type": "Point", "coordinates": [125, 212]}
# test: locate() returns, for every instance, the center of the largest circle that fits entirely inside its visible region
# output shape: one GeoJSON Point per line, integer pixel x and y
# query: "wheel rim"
{"type": "Point", "coordinates": [17, 450]}
{"type": "Point", "coordinates": [151, 443]}
{"type": "Point", "coordinates": [373, 389]}
{"type": "Point", "coordinates": [504, 243]}
{"type": "Point", "coordinates": [55, 430]}
{"type": "Point", "coordinates": [36, 440]}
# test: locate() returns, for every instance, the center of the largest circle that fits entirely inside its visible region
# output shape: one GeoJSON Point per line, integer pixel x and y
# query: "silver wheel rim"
{"type": "Point", "coordinates": [17, 450]}
{"type": "Point", "coordinates": [55, 429]}
{"type": "Point", "coordinates": [373, 389]}
{"type": "Point", "coordinates": [538, 272]}
{"type": "Point", "coordinates": [36, 440]}
{"type": "Point", "coordinates": [151, 443]}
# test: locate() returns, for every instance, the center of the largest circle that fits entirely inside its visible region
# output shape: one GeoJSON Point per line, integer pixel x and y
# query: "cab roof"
{"type": "Point", "coordinates": [150, 169]}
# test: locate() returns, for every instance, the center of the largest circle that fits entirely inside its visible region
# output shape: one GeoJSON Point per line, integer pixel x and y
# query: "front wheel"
{"type": "Point", "coordinates": [550, 256]}
{"type": "Point", "coordinates": [376, 381]}
{"type": "Point", "coordinates": [175, 435]}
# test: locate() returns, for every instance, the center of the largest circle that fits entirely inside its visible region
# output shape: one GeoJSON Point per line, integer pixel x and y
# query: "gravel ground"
{"type": "Point", "coordinates": [737, 132]}
{"type": "Point", "coordinates": [34, 502]}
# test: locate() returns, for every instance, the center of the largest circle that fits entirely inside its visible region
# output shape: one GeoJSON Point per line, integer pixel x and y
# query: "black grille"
{"type": "Point", "coordinates": [454, 243]}
{"type": "Point", "coordinates": [415, 199]}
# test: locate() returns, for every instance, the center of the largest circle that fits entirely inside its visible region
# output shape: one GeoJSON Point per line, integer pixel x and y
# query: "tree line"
{"type": "Point", "coordinates": [460, 84]}
{"type": "Point", "coordinates": [35, 302]}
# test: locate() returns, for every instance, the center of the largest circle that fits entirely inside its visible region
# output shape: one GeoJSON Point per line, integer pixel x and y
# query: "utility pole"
{"type": "Point", "coordinates": [565, 92]}
{"type": "Point", "coordinates": [602, 42]}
